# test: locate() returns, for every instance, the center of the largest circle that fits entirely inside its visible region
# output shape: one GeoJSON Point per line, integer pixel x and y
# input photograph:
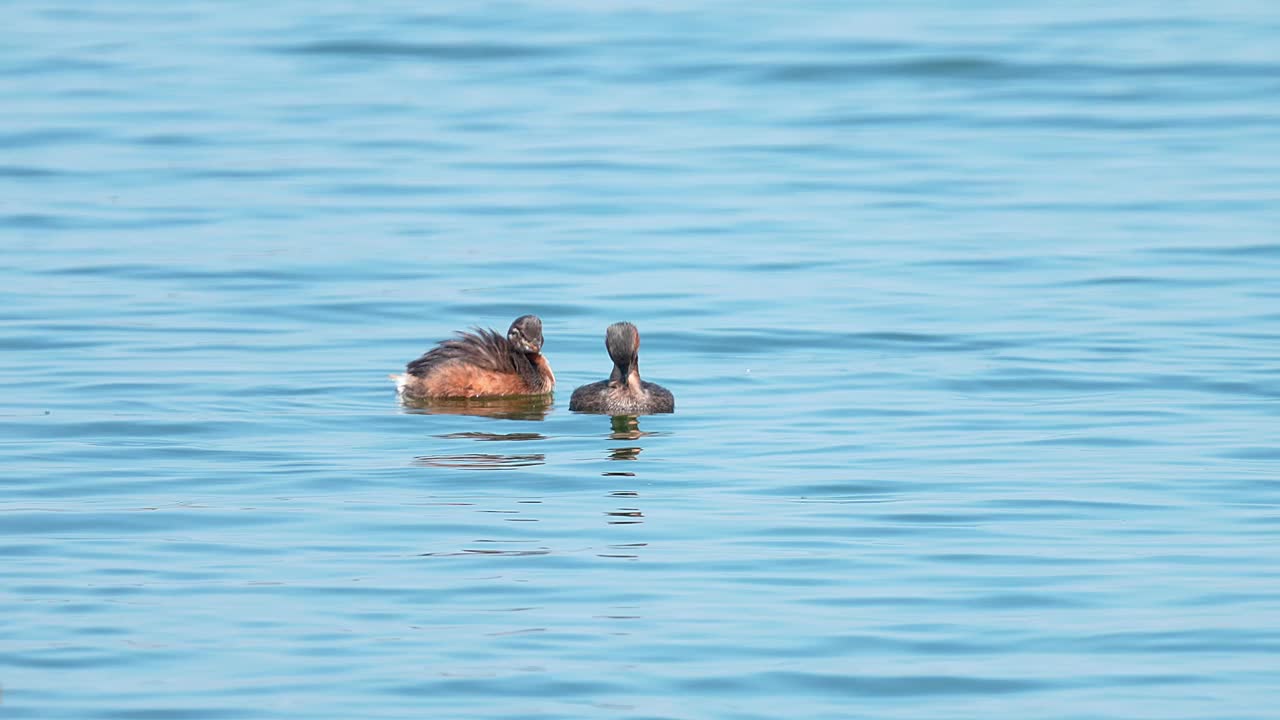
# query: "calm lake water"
{"type": "Point", "coordinates": [971, 311]}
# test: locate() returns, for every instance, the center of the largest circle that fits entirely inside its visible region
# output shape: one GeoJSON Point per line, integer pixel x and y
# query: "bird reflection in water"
{"type": "Point", "coordinates": [625, 516]}
{"type": "Point", "coordinates": [517, 407]}
{"type": "Point", "coordinates": [624, 453]}
{"type": "Point", "coordinates": [493, 437]}
{"type": "Point", "coordinates": [626, 427]}
{"type": "Point", "coordinates": [480, 461]}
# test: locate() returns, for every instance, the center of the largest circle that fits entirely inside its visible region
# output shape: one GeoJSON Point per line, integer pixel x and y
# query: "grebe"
{"type": "Point", "coordinates": [481, 364]}
{"type": "Point", "coordinates": [624, 393]}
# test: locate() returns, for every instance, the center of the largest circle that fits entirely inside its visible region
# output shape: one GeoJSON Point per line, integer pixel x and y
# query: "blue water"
{"type": "Point", "coordinates": [970, 310]}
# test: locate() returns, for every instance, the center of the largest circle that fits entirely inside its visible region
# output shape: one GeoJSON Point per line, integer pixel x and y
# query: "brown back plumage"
{"type": "Point", "coordinates": [483, 348]}
{"type": "Point", "coordinates": [481, 363]}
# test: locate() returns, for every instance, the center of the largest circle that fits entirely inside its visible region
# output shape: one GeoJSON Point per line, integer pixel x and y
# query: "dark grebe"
{"type": "Point", "coordinates": [624, 393]}
{"type": "Point", "coordinates": [482, 364]}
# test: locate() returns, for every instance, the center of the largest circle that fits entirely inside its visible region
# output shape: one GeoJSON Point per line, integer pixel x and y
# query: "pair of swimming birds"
{"type": "Point", "coordinates": [486, 364]}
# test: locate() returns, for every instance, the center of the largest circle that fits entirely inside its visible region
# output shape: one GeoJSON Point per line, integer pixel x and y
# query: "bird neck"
{"type": "Point", "coordinates": [626, 375]}
{"type": "Point", "coordinates": [527, 372]}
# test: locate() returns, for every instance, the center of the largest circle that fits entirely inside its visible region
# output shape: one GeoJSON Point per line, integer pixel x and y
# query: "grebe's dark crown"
{"type": "Point", "coordinates": [526, 333]}
{"type": "Point", "coordinates": [622, 340]}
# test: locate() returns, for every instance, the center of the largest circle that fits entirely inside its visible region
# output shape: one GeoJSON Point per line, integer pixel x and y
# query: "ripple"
{"type": "Point", "coordinates": [28, 172]}
{"type": "Point", "coordinates": [1218, 640]}
{"type": "Point", "coordinates": [769, 341]}
{"type": "Point", "coordinates": [526, 685]}
{"type": "Point", "coordinates": [990, 68]}
{"type": "Point", "coordinates": [514, 310]}
{"type": "Point", "coordinates": [24, 139]}
{"type": "Point", "coordinates": [869, 686]}
{"type": "Point", "coordinates": [1255, 250]}
{"type": "Point", "coordinates": [456, 52]}
{"type": "Point", "coordinates": [471, 552]}
{"type": "Point", "coordinates": [140, 520]}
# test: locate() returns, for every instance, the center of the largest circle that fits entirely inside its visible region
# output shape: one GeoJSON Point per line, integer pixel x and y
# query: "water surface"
{"type": "Point", "coordinates": [970, 314]}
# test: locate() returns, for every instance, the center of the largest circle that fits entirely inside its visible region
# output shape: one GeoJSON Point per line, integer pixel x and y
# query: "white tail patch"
{"type": "Point", "coordinates": [401, 380]}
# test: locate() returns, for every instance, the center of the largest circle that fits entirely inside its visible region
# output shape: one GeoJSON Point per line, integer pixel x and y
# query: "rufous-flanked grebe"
{"type": "Point", "coordinates": [481, 364]}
